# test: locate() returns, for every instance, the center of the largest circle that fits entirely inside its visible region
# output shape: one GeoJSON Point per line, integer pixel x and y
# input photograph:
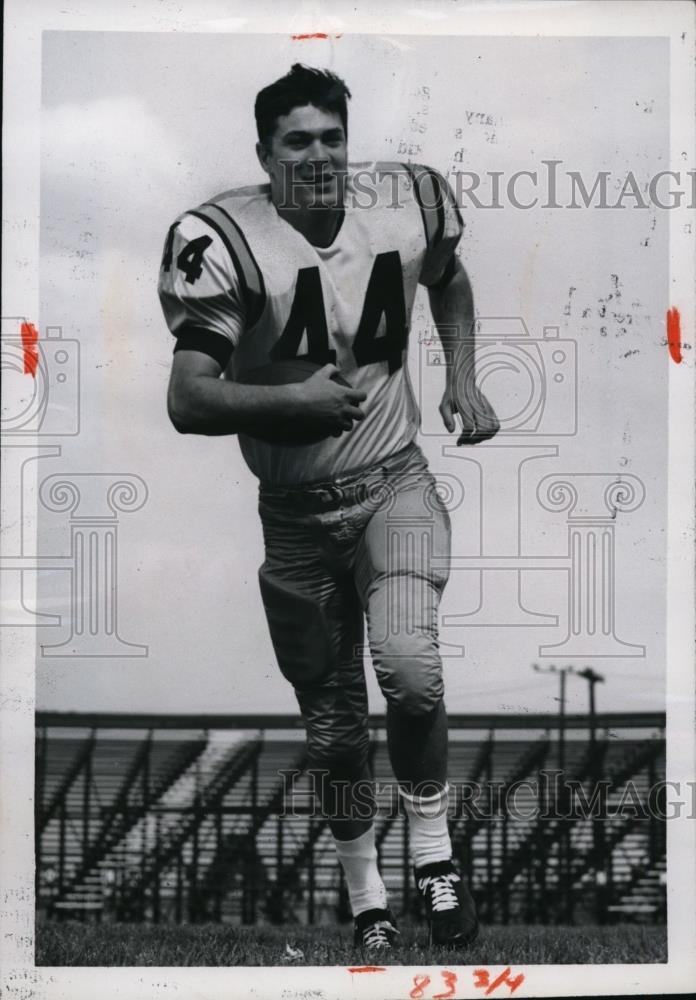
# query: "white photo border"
{"type": "Point", "coordinates": [24, 24]}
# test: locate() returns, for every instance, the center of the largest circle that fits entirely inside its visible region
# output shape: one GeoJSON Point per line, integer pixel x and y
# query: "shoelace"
{"type": "Point", "coordinates": [375, 936]}
{"type": "Point", "coordinates": [442, 895]}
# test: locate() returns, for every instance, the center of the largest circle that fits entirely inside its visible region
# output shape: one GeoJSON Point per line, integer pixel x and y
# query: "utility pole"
{"type": "Point", "coordinates": [561, 721]}
{"type": "Point", "coordinates": [564, 877]}
{"type": "Point", "coordinates": [561, 671]}
{"type": "Point", "coordinates": [593, 678]}
{"type": "Point", "coordinates": [598, 840]}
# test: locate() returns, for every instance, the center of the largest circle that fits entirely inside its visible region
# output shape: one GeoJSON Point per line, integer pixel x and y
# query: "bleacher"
{"type": "Point", "coordinates": [213, 819]}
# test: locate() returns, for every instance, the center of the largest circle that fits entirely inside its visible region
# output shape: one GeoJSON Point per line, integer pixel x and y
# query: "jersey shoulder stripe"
{"type": "Point", "coordinates": [247, 270]}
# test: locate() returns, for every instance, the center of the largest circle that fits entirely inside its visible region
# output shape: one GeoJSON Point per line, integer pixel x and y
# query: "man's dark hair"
{"type": "Point", "coordinates": [301, 86]}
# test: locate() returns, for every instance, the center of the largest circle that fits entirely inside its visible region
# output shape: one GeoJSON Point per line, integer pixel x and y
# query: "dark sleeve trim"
{"type": "Point", "coordinates": [447, 274]}
{"type": "Point", "coordinates": [439, 205]}
{"type": "Point", "coordinates": [431, 203]}
{"type": "Point", "coordinates": [198, 338]}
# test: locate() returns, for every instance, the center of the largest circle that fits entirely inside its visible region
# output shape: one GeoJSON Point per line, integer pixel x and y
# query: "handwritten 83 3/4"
{"type": "Point", "coordinates": [482, 980]}
{"type": "Point", "coordinates": [424, 985]}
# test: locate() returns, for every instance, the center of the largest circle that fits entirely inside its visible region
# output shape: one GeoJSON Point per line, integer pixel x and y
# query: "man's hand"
{"type": "Point", "coordinates": [452, 307]}
{"type": "Point", "coordinates": [479, 422]}
{"type": "Point", "coordinates": [200, 402]}
{"type": "Point", "coordinates": [322, 400]}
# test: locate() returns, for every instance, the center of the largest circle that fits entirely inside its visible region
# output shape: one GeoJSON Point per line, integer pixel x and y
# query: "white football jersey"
{"type": "Point", "coordinates": [239, 283]}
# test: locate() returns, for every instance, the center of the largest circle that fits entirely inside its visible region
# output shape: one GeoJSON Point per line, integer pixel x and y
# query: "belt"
{"type": "Point", "coordinates": [328, 496]}
{"type": "Point", "coordinates": [350, 490]}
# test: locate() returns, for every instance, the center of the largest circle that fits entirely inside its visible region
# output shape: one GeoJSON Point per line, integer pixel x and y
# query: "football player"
{"type": "Point", "coordinates": [322, 262]}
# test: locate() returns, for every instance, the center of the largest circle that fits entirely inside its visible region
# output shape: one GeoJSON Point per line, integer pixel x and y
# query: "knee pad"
{"type": "Point", "coordinates": [412, 685]}
{"type": "Point", "coordinates": [336, 741]}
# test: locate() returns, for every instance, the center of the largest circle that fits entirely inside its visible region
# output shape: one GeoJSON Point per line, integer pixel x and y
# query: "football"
{"type": "Point", "coordinates": [283, 373]}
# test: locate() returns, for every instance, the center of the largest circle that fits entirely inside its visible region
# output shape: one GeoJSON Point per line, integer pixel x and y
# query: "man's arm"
{"type": "Point", "coordinates": [452, 307]}
{"type": "Point", "coordinates": [200, 402]}
{"type": "Point", "coordinates": [206, 310]}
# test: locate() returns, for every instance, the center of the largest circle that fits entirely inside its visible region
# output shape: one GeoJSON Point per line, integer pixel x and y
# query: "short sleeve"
{"type": "Point", "coordinates": [442, 222]}
{"type": "Point", "coordinates": [199, 290]}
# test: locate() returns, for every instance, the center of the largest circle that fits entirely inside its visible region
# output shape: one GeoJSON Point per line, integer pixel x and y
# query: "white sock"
{"type": "Point", "coordinates": [427, 827]}
{"type": "Point", "coordinates": [359, 862]}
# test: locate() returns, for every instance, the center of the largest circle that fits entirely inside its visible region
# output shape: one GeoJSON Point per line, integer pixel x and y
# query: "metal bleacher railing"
{"type": "Point", "coordinates": [212, 818]}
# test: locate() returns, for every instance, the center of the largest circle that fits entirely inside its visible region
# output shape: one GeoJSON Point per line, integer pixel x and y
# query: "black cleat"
{"type": "Point", "coordinates": [375, 930]}
{"type": "Point", "coordinates": [448, 904]}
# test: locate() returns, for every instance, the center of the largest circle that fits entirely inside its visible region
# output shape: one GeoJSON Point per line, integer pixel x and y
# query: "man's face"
{"type": "Point", "coordinates": [306, 159]}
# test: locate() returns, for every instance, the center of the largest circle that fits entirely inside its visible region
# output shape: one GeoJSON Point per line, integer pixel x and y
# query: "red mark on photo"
{"type": "Point", "coordinates": [367, 968]}
{"type": "Point", "coordinates": [419, 984]}
{"type": "Point", "coordinates": [315, 34]}
{"type": "Point", "coordinates": [483, 978]}
{"type": "Point", "coordinates": [421, 981]}
{"type": "Point", "coordinates": [30, 340]}
{"type": "Point", "coordinates": [674, 341]}
{"type": "Point", "coordinates": [450, 979]}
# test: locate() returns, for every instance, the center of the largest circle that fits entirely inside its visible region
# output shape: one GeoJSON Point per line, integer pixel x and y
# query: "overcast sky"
{"type": "Point", "coordinates": [138, 127]}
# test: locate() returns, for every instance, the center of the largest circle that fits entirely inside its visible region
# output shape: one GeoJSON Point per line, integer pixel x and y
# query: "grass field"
{"type": "Point", "coordinates": [77, 944]}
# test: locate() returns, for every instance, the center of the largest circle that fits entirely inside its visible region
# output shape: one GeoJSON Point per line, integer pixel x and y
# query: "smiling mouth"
{"type": "Point", "coordinates": [321, 182]}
